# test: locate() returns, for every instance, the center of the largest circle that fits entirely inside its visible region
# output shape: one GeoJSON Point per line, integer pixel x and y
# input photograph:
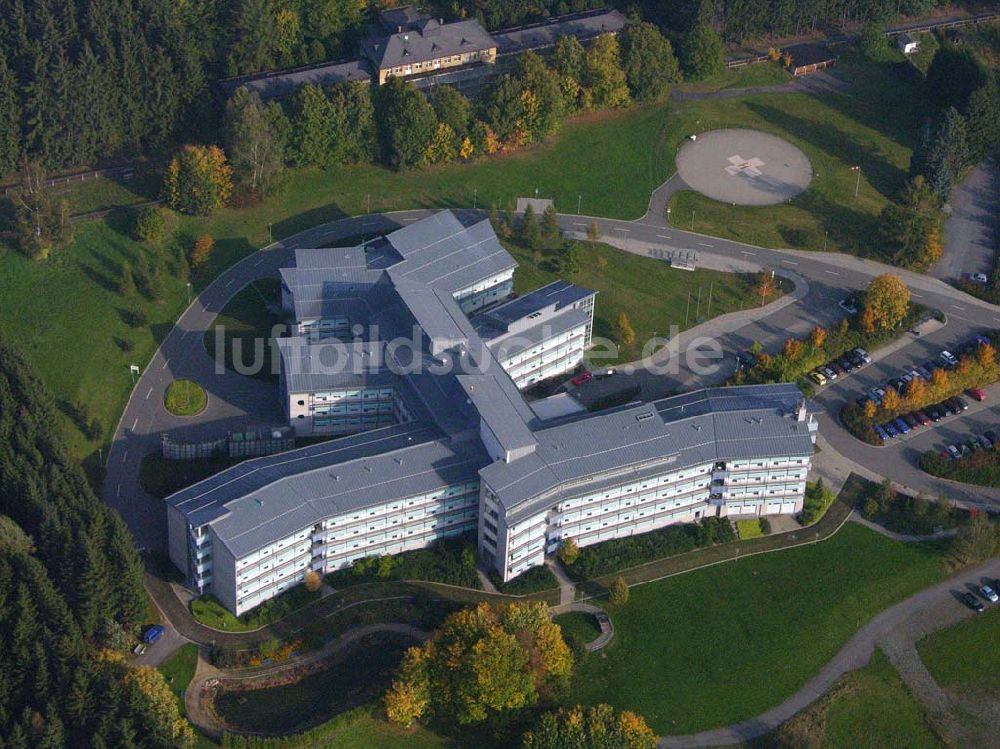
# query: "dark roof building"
{"type": "Point", "coordinates": [808, 58]}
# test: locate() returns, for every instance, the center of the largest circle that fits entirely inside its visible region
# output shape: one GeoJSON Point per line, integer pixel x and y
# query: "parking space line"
{"type": "Point", "coordinates": [790, 262]}
{"type": "Point", "coordinates": [747, 252]}
{"type": "Point", "coordinates": [706, 244]}
{"type": "Point", "coordinates": [831, 272]}
{"type": "Point", "coordinates": [663, 236]}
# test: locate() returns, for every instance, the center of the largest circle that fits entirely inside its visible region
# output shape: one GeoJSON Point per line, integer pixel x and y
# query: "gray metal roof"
{"type": "Point", "coordinates": [332, 364]}
{"type": "Point", "coordinates": [205, 501]}
{"type": "Point", "coordinates": [375, 468]}
{"type": "Point", "coordinates": [686, 430]}
{"type": "Point", "coordinates": [441, 252]}
{"type": "Point", "coordinates": [583, 26]}
{"type": "Point", "coordinates": [499, 409]}
{"type": "Point", "coordinates": [426, 40]}
{"type": "Point", "coordinates": [530, 310]}
{"type": "Point", "coordinates": [282, 84]}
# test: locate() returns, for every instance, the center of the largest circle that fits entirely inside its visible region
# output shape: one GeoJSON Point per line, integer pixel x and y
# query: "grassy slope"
{"type": "Point", "coordinates": [873, 125]}
{"type": "Point", "coordinates": [579, 623]}
{"type": "Point", "coordinates": [965, 655]}
{"type": "Point", "coordinates": [650, 292]}
{"type": "Point", "coordinates": [869, 708]}
{"type": "Point", "coordinates": [723, 644]}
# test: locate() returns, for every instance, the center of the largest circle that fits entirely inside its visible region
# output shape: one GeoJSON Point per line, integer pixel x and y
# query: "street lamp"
{"type": "Point", "coordinates": [579, 201]}
{"type": "Point", "coordinates": [189, 291]}
{"type": "Point", "coordinates": [475, 197]}
{"type": "Point", "coordinates": [857, 184]}
{"type": "Point", "coordinates": [692, 219]}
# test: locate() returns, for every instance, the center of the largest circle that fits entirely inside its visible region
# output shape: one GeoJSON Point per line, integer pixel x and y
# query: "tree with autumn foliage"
{"type": "Point", "coordinates": [198, 180]}
{"type": "Point", "coordinates": [764, 284]}
{"type": "Point", "coordinates": [887, 301]}
{"type": "Point", "coordinates": [202, 250]}
{"type": "Point", "coordinates": [599, 727]}
{"type": "Point", "coordinates": [569, 551]}
{"type": "Point", "coordinates": [818, 336]}
{"type": "Point", "coordinates": [793, 349]}
{"type": "Point", "coordinates": [482, 662]}
{"type": "Point", "coordinates": [624, 330]}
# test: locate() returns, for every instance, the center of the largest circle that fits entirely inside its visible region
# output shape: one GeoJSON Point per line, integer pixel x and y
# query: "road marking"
{"type": "Point", "coordinates": [118, 490]}
{"type": "Point", "coordinates": [663, 236]}
{"type": "Point", "coordinates": [747, 252]}
{"type": "Point", "coordinates": [790, 262]}
{"type": "Point", "coordinates": [258, 262]}
{"type": "Point", "coordinates": [578, 223]}
{"type": "Point", "coordinates": [135, 423]}
{"type": "Point", "coordinates": [920, 296]}
{"type": "Point", "coordinates": [150, 392]}
{"type": "Point", "coordinates": [831, 272]}
{"type": "Point", "coordinates": [164, 364]}
{"type": "Point", "coordinates": [706, 244]}
{"type": "Point", "coordinates": [623, 231]}
{"type": "Point", "coordinates": [124, 455]}
{"type": "Point", "coordinates": [409, 218]}
{"type": "Point", "coordinates": [962, 309]}
{"type": "Point", "coordinates": [230, 282]}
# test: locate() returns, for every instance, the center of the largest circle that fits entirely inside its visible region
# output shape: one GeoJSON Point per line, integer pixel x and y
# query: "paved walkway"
{"type": "Point", "coordinates": [200, 692]}
{"type": "Point", "coordinates": [567, 588]}
{"type": "Point", "coordinates": [930, 609]}
{"type": "Point", "coordinates": [604, 621]}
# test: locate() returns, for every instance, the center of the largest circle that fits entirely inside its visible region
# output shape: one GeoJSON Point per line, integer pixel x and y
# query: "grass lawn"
{"type": "Point", "coordinates": [357, 677]}
{"type": "Point", "coordinates": [367, 732]}
{"type": "Point", "coordinates": [579, 624]}
{"type": "Point", "coordinates": [965, 655]}
{"type": "Point", "coordinates": [870, 708]}
{"type": "Point", "coordinates": [726, 643]}
{"type": "Point", "coordinates": [247, 319]}
{"type": "Point", "coordinates": [652, 294]}
{"type": "Point", "coordinates": [211, 613]}
{"type": "Point", "coordinates": [162, 477]}
{"type": "Point", "coordinates": [178, 670]}
{"type": "Point", "coordinates": [759, 74]}
{"type": "Point", "coordinates": [873, 125]}
{"type": "Point", "coordinates": [185, 398]}
{"type": "Point", "coordinates": [103, 194]}
{"type": "Point", "coordinates": [749, 528]}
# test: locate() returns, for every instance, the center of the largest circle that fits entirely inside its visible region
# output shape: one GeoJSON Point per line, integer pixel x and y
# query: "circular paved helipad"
{"type": "Point", "coordinates": [745, 167]}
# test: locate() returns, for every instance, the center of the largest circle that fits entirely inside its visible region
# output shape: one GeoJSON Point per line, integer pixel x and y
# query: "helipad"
{"type": "Point", "coordinates": [745, 167]}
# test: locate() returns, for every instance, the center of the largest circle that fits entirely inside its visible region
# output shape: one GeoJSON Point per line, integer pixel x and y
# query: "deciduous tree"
{"type": "Point", "coordinates": [618, 592]}
{"type": "Point", "coordinates": [886, 303]}
{"type": "Point", "coordinates": [623, 330]}
{"type": "Point", "coordinates": [198, 180]}
{"type": "Point", "coordinates": [202, 250]}
{"type": "Point", "coordinates": [649, 61]}
{"type": "Point", "coordinates": [599, 727]}
{"type": "Point", "coordinates": [252, 140]}
{"type": "Point", "coordinates": [702, 53]}
{"type": "Point", "coordinates": [604, 78]}
{"type": "Point", "coordinates": [406, 124]}
{"type": "Point", "coordinates": [568, 551]}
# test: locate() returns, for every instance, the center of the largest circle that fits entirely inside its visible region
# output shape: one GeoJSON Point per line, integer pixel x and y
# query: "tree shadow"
{"type": "Point", "coordinates": [882, 174]}
{"type": "Point", "coordinates": [307, 219]}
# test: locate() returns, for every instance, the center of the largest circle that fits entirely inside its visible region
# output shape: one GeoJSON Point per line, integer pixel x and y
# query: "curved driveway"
{"type": "Point", "coordinates": [237, 402]}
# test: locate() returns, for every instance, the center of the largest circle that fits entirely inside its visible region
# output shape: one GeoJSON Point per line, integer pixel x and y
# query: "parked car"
{"type": "Point", "coordinates": [976, 394]}
{"type": "Point", "coordinates": [849, 305]}
{"type": "Point", "coordinates": [961, 403]}
{"type": "Point", "coordinates": [818, 377]}
{"type": "Point", "coordinates": [153, 634]}
{"type": "Point", "coordinates": [988, 593]}
{"type": "Point", "coordinates": [901, 425]}
{"type": "Point", "coordinates": [882, 434]}
{"type": "Point", "coordinates": [972, 444]}
{"type": "Point", "coordinates": [973, 603]}
{"type": "Point", "coordinates": [840, 371]}
{"type": "Point", "coordinates": [945, 409]}
{"type": "Point", "coordinates": [954, 452]}
{"type": "Point", "coordinates": [984, 442]}
{"type": "Point", "coordinates": [978, 277]}
{"type": "Point", "coordinates": [890, 429]}
{"type": "Point", "coordinates": [922, 418]}
{"type": "Point", "coordinates": [605, 373]}
{"type": "Point", "coordinates": [907, 378]}
{"type": "Point", "coordinates": [864, 355]}
{"type": "Point", "coordinates": [911, 420]}
{"type": "Point", "coordinates": [934, 412]}
{"type": "Point", "coordinates": [745, 360]}
{"type": "Point", "coordinates": [948, 359]}
{"type": "Point", "coordinates": [924, 373]}
{"type": "Point", "coordinates": [991, 435]}
{"type": "Point", "coordinates": [847, 364]}
{"type": "Point", "coordinates": [582, 379]}
{"type": "Point", "coordinates": [829, 372]}
{"type": "Point", "coordinates": [896, 384]}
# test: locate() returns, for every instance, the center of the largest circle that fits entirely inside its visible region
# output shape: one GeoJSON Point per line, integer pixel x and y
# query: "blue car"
{"type": "Point", "coordinates": [882, 434]}
{"type": "Point", "coordinates": [891, 429]}
{"type": "Point", "coordinates": [901, 425]}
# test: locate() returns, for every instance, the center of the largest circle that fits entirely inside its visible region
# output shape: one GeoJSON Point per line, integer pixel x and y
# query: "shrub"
{"type": "Point", "coordinates": [451, 561]}
{"type": "Point", "coordinates": [765, 526]}
{"type": "Point", "coordinates": [818, 498]}
{"type": "Point", "coordinates": [148, 224]}
{"type": "Point", "coordinates": [530, 581]}
{"type": "Point", "coordinates": [312, 581]}
{"type": "Point", "coordinates": [202, 250]}
{"type": "Point", "coordinates": [618, 592]}
{"type": "Point", "coordinates": [568, 551]}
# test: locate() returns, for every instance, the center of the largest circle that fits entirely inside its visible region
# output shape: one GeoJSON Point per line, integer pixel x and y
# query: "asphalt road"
{"type": "Point", "coordinates": [237, 402]}
{"type": "Point", "coordinates": [970, 231]}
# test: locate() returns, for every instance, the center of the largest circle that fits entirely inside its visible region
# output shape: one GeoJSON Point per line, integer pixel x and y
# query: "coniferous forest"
{"type": "Point", "coordinates": [71, 595]}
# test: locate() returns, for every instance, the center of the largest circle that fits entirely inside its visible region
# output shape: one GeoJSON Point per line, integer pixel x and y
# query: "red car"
{"type": "Point", "coordinates": [976, 394]}
{"type": "Point", "coordinates": [582, 379]}
{"type": "Point", "coordinates": [923, 418]}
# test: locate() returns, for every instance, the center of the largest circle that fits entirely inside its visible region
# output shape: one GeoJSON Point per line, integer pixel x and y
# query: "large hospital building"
{"type": "Point", "coordinates": [414, 349]}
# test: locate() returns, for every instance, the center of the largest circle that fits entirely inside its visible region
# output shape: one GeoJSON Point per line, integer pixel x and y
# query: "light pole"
{"type": "Point", "coordinates": [189, 291]}
{"type": "Point", "coordinates": [269, 240]}
{"type": "Point", "coordinates": [475, 197]}
{"type": "Point", "coordinates": [579, 202]}
{"type": "Point", "coordinates": [857, 184]}
{"type": "Point", "coordinates": [692, 219]}
{"type": "Point", "coordinates": [668, 215]}
{"type": "Point", "coordinates": [368, 198]}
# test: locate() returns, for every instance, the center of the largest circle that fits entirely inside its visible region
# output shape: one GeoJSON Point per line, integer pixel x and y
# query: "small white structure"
{"type": "Point", "coordinates": [907, 44]}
